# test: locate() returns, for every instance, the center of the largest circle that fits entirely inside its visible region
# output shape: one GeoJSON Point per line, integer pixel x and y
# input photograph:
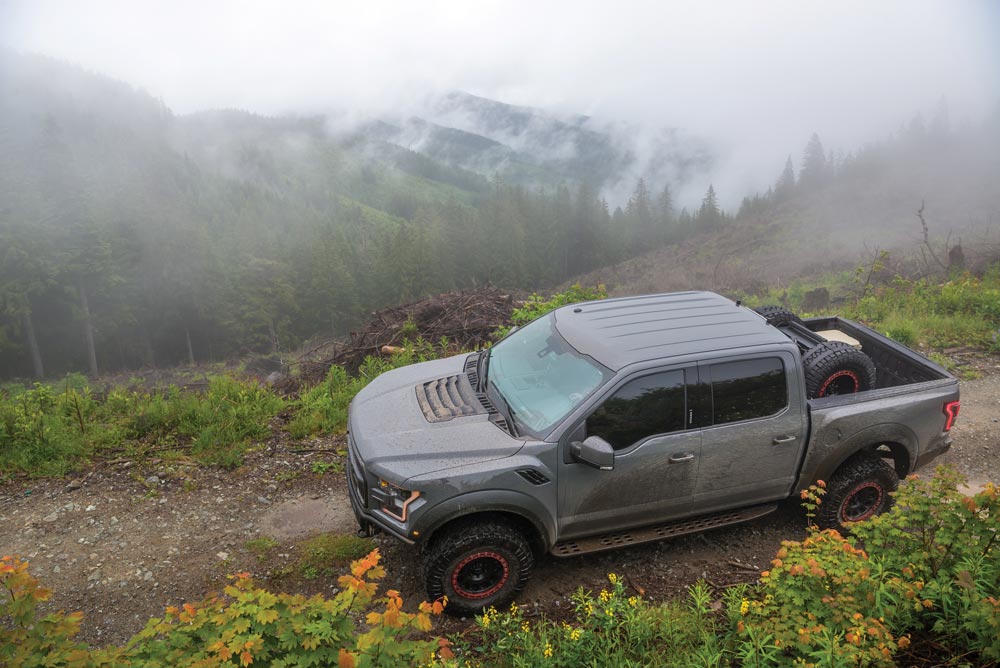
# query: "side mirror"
{"type": "Point", "coordinates": [594, 451]}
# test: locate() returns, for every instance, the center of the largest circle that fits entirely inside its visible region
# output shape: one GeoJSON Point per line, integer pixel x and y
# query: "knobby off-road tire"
{"type": "Point", "coordinates": [834, 367]}
{"type": "Point", "coordinates": [477, 566]}
{"type": "Point", "coordinates": [777, 315]}
{"type": "Point", "coordinates": [858, 491]}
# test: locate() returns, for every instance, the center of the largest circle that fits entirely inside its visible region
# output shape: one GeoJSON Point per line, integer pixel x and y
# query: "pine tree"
{"type": "Point", "coordinates": [814, 165]}
{"type": "Point", "coordinates": [785, 186]}
{"type": "Point", "coordinates": [709, 214]}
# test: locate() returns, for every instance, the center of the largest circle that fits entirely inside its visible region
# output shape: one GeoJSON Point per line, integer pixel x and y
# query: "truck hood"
{"type": "Point", "coordinates": [413, 421]}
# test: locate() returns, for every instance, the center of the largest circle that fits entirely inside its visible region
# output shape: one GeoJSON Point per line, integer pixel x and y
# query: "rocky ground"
{"type": "Point", "coordinates": [123, 539]}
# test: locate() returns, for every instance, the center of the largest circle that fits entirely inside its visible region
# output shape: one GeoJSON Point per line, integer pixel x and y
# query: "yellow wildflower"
{"type": "Point", "coordinates": [612, 578]}
{"type": "Point", "coordinates": [605, 596]}
{"type": "Point", "coordinates": [548, 651]}
{"type": "Point", "coordinates": [744, 607]}
{"type": "Point", "coordinates": [633, 601]}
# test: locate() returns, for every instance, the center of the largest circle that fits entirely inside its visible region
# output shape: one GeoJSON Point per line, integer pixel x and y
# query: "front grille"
{"type": "Point", "coordinates": [357, 470]}
{"type": "Point", "coordinates": [447, 398]}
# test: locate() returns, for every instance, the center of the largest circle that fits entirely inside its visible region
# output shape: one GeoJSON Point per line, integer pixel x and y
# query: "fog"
{"type": "Point", "coordinates": [752, 79]}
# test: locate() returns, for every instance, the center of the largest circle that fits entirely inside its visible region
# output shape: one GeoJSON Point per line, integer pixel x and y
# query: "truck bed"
{"type": "Point", "coordinates": [895, 364]}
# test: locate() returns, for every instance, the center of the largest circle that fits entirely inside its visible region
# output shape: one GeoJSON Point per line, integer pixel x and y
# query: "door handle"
{"type": "Point", "coordinates": [677, 459]}
{"type": "Point", "coordinates": [778, 440]}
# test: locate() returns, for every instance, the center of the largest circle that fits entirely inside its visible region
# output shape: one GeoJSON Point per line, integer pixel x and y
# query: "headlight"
{"type": "Point", "coordinates": [394, 500]}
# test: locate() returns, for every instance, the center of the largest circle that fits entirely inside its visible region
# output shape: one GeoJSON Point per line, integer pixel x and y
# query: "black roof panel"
{"type": "Point", "coordinates": [619, 332]}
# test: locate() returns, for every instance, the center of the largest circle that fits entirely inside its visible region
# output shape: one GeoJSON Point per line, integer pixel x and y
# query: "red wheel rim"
{"type": "Point", "coordinates": [852, 385]}
{"type": "Point", "coordinates": [862, 502]}
{"type": "Point", "coordinates": [480, 575]}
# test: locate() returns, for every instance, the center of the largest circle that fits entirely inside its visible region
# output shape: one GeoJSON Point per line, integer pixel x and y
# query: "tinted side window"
{"type": "Point", "coordinates": [643, 407]}
{"type": "Point", "coordinates": [748, 389]}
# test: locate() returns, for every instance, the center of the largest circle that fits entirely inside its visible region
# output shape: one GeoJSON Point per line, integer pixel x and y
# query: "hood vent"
{"type": "Point", "coordinates": [446, 398]}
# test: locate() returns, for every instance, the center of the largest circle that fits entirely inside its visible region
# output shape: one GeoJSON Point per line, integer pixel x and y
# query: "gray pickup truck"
{"type": "Point", "coordinates": [616, 422]}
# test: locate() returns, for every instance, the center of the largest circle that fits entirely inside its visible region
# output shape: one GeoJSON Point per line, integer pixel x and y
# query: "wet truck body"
{"type": "Point", "coordinates": [616, 422]}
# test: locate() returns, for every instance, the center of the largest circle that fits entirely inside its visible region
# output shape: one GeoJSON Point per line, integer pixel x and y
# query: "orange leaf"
{"type": "Point", "coordinates": [345, 659]}
{"type": "Point", "coordinates": [246, 658]}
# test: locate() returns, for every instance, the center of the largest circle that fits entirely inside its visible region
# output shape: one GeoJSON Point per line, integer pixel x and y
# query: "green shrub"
{"type": "Point", "coordinates": [929, 566]}
{"type": "Point", "coordinates": [30, 640]}
{"type": "Point", "coordinates": [610, 629]}
{"type": "Point", "coordinates": [246, 625]}
{"type": "Point", "coordinates": [47, 430]}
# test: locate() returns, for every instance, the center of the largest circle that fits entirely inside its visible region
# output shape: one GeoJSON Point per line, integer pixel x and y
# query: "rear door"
{"type": "Point", "coordinates": [752, 409]}
{"type": "Point", "coordinates": [647, 420]}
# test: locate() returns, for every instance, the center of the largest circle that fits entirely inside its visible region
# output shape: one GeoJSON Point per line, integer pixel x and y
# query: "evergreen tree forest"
{"type": "Point", "coordinates": [131, 237]}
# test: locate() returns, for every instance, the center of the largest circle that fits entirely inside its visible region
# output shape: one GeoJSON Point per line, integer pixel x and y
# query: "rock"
{"type": "Point", "coordinates": [263, 499]}
{"type": "Point", "coordinates": [152, 480]}
{"type": "Point", "coordinates": [74, 485]}
{"type": "Point", "coordinates": [148, 577]}
{"type": "Point", "coordinates": [222, 555]}
{"type": "Point", "coordinates": [51, 517]}
{"type": "Point", "coordinates": [91, 508]}
{"type": "Point", "coordinates": [94, 577]}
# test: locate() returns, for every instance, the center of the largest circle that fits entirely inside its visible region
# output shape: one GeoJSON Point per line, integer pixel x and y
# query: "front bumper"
{"type": "Point", "coordinates": [357, 492]}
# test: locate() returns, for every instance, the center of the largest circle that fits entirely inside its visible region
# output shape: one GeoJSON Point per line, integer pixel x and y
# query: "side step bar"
{"type": "Point", "coordinates": [610, 541]}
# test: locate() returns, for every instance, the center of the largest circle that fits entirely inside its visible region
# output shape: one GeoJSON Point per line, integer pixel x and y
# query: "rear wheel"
{"type": "Point", "coordinates": [478, 565]}
{"type": "Point", "coordinates": [859, 490]}
{"type": "Point", "coordinates": [777, 315]}
{"type": "Point", "coordinates": [834, 367]}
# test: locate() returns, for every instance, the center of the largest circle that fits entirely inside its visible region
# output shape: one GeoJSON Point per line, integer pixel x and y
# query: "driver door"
{"type": "Point", "coordinates": [647, 421]}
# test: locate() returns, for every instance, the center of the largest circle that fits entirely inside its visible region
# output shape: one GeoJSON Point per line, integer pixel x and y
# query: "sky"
{"type": "Point", "coordinates": [754, 78]}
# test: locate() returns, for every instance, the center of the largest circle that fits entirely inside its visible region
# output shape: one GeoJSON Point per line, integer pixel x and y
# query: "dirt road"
{"type": "Point", "coordinates": [121, 540]}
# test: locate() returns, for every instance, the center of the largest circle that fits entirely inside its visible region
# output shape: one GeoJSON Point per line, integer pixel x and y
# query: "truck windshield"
{"type": "Point", "coordinates": [541, 377]}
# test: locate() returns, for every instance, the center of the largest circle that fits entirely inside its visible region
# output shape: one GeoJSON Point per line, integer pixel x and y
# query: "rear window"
{"type": "Point", "coordinates": [747, 389]}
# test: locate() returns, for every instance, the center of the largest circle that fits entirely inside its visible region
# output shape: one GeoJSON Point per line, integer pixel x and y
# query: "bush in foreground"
{"type": "Point", "coordinates": [243, 626]}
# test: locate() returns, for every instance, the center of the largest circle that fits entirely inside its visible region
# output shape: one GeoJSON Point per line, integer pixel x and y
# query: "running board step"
{"type": "Point", "coordinates": [610, 541]}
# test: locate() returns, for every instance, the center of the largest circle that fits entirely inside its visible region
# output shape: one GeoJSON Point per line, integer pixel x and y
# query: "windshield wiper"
{"type": "Point", "coordinates": [510, 411]}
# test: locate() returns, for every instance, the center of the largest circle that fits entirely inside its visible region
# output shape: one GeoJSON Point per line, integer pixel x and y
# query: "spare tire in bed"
{"type": "Point", "coordinates": [777, 315]}
{"type": "Point", "coordinates": [834, 367]}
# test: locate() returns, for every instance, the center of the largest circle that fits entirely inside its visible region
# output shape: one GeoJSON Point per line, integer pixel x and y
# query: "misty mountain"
{"type": "Point", "coordinates": [532, 146]}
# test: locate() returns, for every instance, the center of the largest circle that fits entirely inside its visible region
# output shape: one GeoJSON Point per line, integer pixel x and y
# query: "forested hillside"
{"type": "Point", "coordinates": [131, 236]}
{"type": "Point", "coordinates": [829, 211]}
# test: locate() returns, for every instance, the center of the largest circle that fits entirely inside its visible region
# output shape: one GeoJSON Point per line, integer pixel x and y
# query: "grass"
{"type": "Point", "coordinates": [260, 547]}
{"type": "Point", "coordinates": [325, 554]}
{"type": "Point", "coordinates": [46, 430]}
{"type": "Point", "coordinates": [963, 311]}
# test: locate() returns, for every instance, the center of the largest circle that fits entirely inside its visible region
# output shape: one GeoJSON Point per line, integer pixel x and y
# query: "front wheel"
{"type": "Point", "coordinates": [477, 566]}
{"type": "Point", "coordinates": [859, 490]}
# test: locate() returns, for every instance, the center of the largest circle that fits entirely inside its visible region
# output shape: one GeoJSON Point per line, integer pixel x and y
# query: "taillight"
{"type": "Point", "coordinates": [950, 413]}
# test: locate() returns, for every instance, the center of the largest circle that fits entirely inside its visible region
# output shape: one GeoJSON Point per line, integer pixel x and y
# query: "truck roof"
{"type": "Point", "coordinates": [619, 332]}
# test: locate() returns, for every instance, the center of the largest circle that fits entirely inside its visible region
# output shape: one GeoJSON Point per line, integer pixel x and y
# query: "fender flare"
{"type": "Point", "coordinates": [867, 438]}
{"type": "Point", "coordinates": [510, 502]}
